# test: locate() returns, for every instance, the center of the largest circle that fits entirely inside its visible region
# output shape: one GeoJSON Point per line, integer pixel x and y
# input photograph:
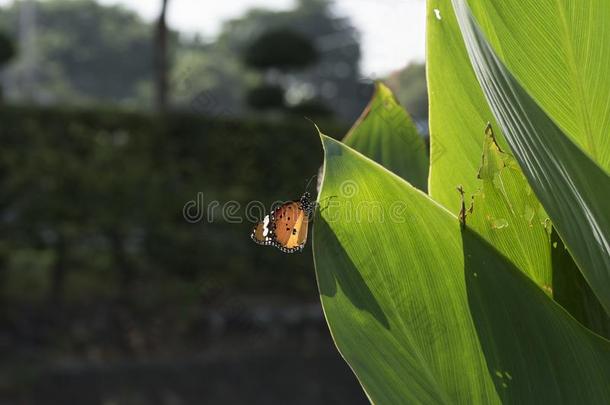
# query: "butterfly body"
{"type": "Point", "coordinates": [286, 226]}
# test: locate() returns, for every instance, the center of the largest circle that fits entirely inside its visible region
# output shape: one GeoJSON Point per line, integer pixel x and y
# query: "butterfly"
{"type": "Point", "coordinates": [286, 226]}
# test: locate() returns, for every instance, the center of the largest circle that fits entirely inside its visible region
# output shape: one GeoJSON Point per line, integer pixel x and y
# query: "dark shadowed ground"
{"type": "Point", "coordinates": [250, 354]}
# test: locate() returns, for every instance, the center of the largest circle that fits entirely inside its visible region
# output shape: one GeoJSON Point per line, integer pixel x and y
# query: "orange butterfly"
{"type": "Point", "coordinates": [286, 227]}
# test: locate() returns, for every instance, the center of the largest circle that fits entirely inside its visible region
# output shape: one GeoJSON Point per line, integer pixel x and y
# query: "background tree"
{"type": "Point", "coordinates": [275, 53]}
{"type": "Point", "coordinates": [335, 80]}
{"type": "Point", "coordinates": [85, 54]}
{"type": "Point", "coordinates": [161, 60]}
{"type": "Point", "coordinates": [7, 52]}
{"type": "Point", "coordinates": [282, 49]}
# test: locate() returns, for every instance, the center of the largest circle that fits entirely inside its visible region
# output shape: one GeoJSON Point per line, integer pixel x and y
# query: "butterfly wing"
{"type": "Point", "coordinates": [263, 232]}
{"type": "Point", "coordinates": [300, 237]}
{"type": "Point", "coordinates": [290, 230]}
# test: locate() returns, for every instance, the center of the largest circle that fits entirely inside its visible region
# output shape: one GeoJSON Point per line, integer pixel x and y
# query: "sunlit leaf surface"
{"type": "Point", "coordinates": [559, 51]}
{"type": "Point", "coordinates": [573, 189]}
{"type": "Point", "coordinates": [505, 211]}
{"type": "Point", "coordinates": [427, 312]}
{"type": "Point", "coordinates": [386, 134]}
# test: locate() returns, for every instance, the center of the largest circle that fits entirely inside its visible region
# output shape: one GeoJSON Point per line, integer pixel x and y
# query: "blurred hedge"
{"type": "Point", "coordinates": [91, 202]}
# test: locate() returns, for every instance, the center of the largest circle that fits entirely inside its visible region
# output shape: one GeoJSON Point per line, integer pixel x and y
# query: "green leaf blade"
{"type": "Point", "coordinates": [367, 300]}
{"type": "Point", "coordinates": [535, 351]}
{"type": "Point", "coordinates": [386, 133]}
{"type": "Point", "coordinates": [458, 110]}
{"type": "Point", "coordinates": [425, 312]}
{"type": "Point", "coordinates": [558, 51]}
{"type": "Point", "coordinates": [573, 189]}
{"type": "Point", "coordinates": [459, 113]}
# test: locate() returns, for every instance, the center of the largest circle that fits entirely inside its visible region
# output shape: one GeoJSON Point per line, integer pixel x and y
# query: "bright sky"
{"type": "Point", "coordinates": [393, 31]}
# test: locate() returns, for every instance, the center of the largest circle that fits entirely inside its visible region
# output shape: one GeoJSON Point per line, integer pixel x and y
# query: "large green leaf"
{"type": "Point", "coordinates": [505, 211]}
{"type": "Point", "coordinates": [377, 243]}
{"type": "Point", "coordinates": [458, 109]}
{"type": "Point", "coordinates": [427, 313]}
{"type": "Point", "coordinates": [573, 189]}
{"type": "Point", "coordinates": [385, 133]}
{"type": "Point", "coordinates": [559, 51]}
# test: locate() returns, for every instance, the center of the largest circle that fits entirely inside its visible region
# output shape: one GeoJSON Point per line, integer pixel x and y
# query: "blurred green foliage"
{"type": "Point", "coordinates": [266, 96]}
{"type": "Point", "coordinates": [334, 83]}
{"type": "Point", "coordinates": [282, 49]}
{"type": "Point", "coordinates": [82, 53]}
{"type": "Point", "coordinates": [7, 49]}
{"type": "Point", "coordinates": [98, 195]}
{"type": "Point", "coordinates": [7, 52]}
{"type": "Point", "coordinates": [314, 108]}
{"type": "Point", "coordinates": [275, 53]}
